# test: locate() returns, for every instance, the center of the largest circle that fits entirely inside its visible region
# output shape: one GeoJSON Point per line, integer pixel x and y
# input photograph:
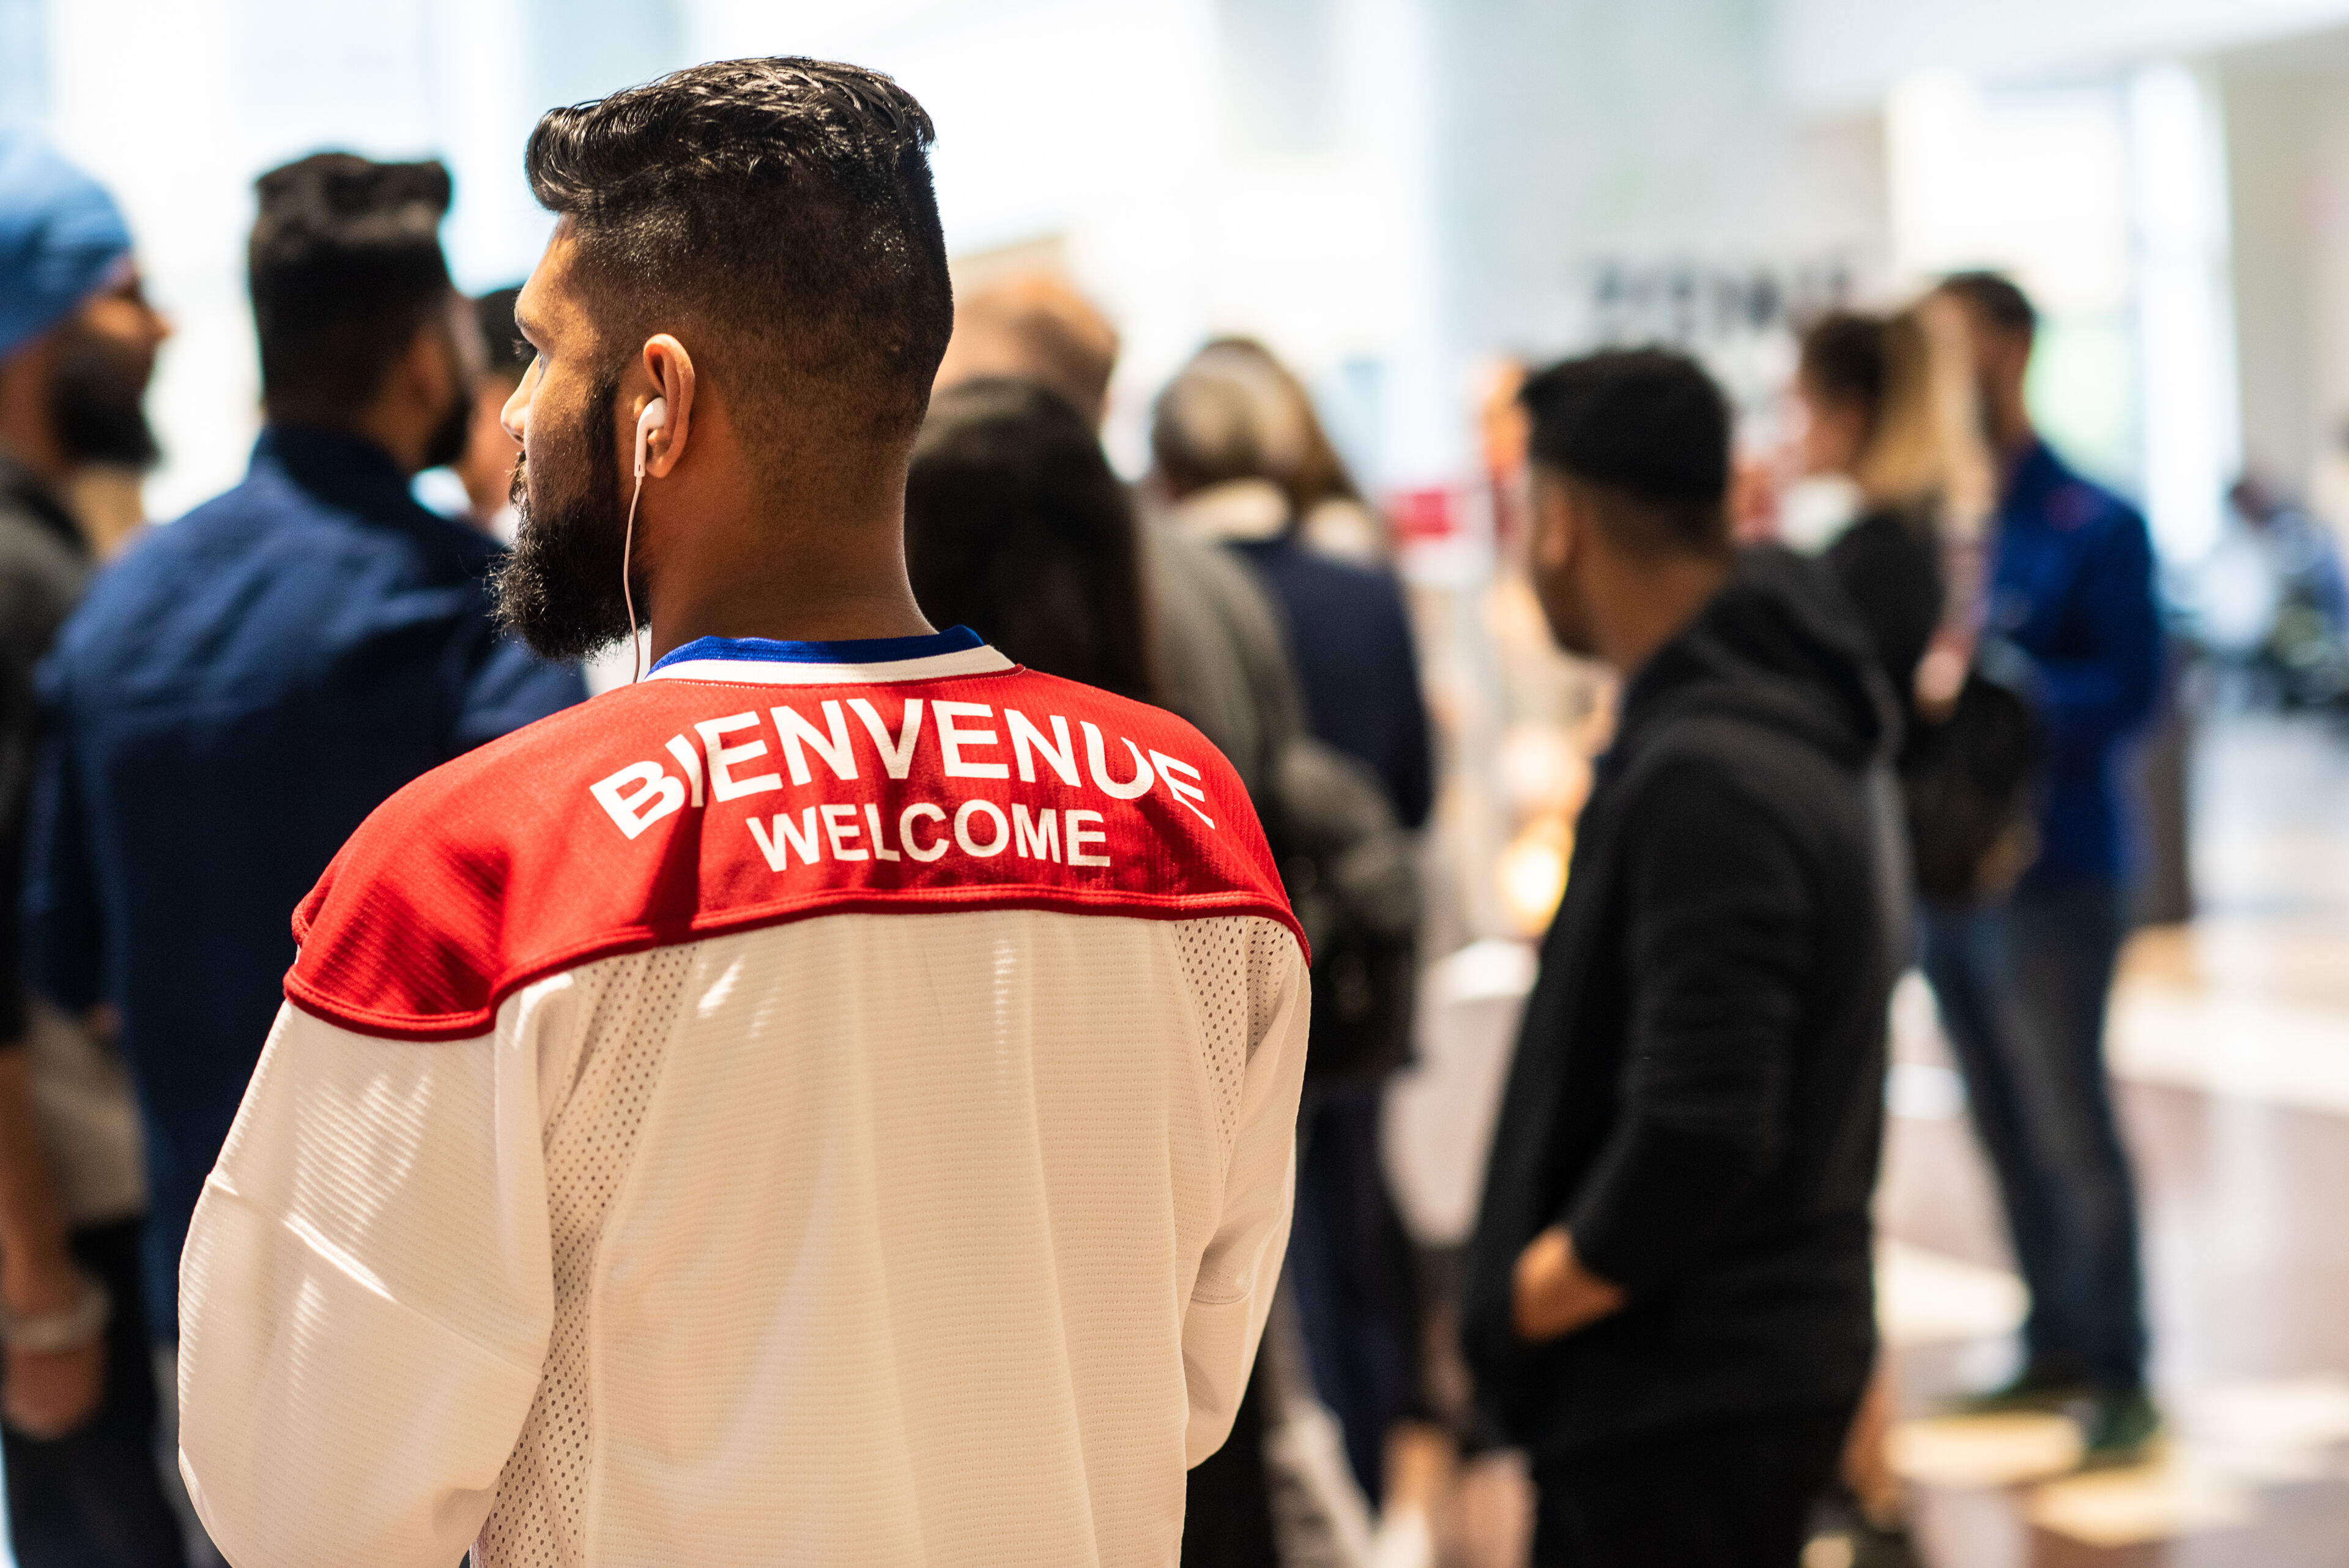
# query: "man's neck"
{"type": "Point", "coordinates": [2016, 436]}
{"type": "Point", "coordinates": [29, 426]}
{"type": "Point", "coordinates": [828, 580]}
{"type": "Point", "coordinates": [839, 617]}
{"type": "Point", "coordinates": [360, 430]}
{"type": "Point", "coordinates": [1654, 604]}
{"type": "Point", "coordinates": [41, 465]}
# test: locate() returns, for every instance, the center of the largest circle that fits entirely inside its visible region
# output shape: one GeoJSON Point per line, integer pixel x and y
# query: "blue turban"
{"type": "Point", "coordinates": [61, 237]}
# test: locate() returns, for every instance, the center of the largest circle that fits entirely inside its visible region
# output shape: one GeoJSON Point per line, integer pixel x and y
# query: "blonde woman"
{"type": "Point", "coordinates": [1876, 394]}
{"type": "Point", "coordinates": [1875, 391]}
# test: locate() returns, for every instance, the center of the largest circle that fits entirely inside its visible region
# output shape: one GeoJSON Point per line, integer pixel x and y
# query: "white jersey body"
{"type": "Point", "coordinates": [941, 1237]}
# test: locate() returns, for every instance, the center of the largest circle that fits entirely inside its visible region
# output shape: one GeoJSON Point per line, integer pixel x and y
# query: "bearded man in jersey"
{"type": "Point", "coordinates": [831, 1101]}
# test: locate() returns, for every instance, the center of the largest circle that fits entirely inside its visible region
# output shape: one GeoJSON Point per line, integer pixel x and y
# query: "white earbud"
{"type": "Point", "coordinates": [653, 418]}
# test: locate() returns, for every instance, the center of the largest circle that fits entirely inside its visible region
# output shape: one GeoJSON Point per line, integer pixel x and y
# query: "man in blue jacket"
{"type": "Point", "coordinates": [246, 684]}
{"type": "Point", "coordinates": [2022, 985]}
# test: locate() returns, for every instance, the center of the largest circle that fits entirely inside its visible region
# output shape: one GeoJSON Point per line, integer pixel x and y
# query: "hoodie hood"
{"type": "Point", "coordinates": [1780, 645]}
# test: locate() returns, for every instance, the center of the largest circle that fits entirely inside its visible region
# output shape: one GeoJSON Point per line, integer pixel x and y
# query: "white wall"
{"type": "Point", "coordinates": [1578, 133]}
{"type": "Point", "coordinates": [1839, 53]}
{"type": "Point", "coordinates": [178, 104]}
{"type": "Point", "coordinates": [1161, 146]}
{"type": "Point", "coordinates": [2288, 140]}
{"type": "Point", "coordinates": [1412, 185]}
{"type": "Point", "coordinates": [1118, 128]}
{"type": "Point", "coordinates": [2105, 199]}
{"type": "Point", "coordinates": [2279, 70]}
{"type": "Point", "coordinates": [2185, 316]}
{"type": "Point", "coordinates": [2274, 132]}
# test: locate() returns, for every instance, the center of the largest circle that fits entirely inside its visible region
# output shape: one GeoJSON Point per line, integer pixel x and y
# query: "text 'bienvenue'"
{"type": "Point", "coordinates": [729, 758]}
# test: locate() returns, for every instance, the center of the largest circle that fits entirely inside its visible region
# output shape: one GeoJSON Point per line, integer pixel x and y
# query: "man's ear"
{"type": "Point", "coordinates": [2018, 362]}
{"type": "Point", "coordinates": [424, 374]}
{"type": "Point", "coordinates": [670, 369]}
{"type": "Point", "coordinates": [1556, 521]}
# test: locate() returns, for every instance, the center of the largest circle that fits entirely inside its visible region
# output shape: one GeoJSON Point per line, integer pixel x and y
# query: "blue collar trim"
{"type": "Point", "coordinates": [864, 650]}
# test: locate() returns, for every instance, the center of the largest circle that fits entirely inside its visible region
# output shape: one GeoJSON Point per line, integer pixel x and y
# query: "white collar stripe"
{"type": "Point", "coordinates": [779, 673]}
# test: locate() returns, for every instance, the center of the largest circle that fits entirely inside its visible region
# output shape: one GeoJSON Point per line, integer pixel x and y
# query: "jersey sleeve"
{"type": "Point", "coordinates": [1225, 1318]}
{"type": "Point", "coordinates": [365, 1297]}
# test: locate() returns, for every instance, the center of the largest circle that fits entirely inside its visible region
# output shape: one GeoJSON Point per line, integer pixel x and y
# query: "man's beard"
{"type": "Point", "coordinates": [96, 396]}
{"type": "Point", "coordinates": [559, 589]}
{"type": "Point", "coordinates": [1570, 627]}
{"type": "Point", "coordinates": [1568, 614]}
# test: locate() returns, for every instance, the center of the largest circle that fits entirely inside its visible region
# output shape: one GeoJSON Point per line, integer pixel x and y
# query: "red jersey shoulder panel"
{"type": "Point", "coordinates": [678, 809]}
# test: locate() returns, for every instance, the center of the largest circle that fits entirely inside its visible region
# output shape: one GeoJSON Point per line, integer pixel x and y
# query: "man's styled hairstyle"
{"type": "Point", "coordinates": [346, 268]}
{"type": "Point", "coordinates": [780, 213]}
{"type": "Point", "coordinates": [1644, 435]}
{"type": "Point", "coordinates": [1995, 298]}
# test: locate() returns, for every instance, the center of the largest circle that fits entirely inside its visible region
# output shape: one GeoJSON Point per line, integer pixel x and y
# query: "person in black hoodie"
{"type": "Point", "coordinates": [1668, 1300]}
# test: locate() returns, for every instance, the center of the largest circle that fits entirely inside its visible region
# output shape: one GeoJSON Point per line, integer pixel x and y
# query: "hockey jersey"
{"type": "Point", "coordinates": [827, 1102]}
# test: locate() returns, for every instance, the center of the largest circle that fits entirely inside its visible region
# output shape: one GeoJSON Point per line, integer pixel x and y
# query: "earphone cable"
{"type": "Point", "coordinates": [627, 592]}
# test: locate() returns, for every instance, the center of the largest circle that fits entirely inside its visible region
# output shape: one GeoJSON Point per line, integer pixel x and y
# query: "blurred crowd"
{"type": "Point", "coordinates": [1868, 702]}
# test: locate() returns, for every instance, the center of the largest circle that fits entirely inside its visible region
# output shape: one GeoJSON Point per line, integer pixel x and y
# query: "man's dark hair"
{"type": "Point", "coordinates": [505, 355]}
{"type": "Point", "coordinates": [1995, 298]}
{"type": "Point", "coordinates": [1842, 356]}
{"type": "Point", "coordinates": [782, 206]}
{"type": "Point", "coordinates": [346, 268]}
{"type": "Point", "coordinates": [1645, 433]}
{"type": "Point", "coordinates": [1017, 525]}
